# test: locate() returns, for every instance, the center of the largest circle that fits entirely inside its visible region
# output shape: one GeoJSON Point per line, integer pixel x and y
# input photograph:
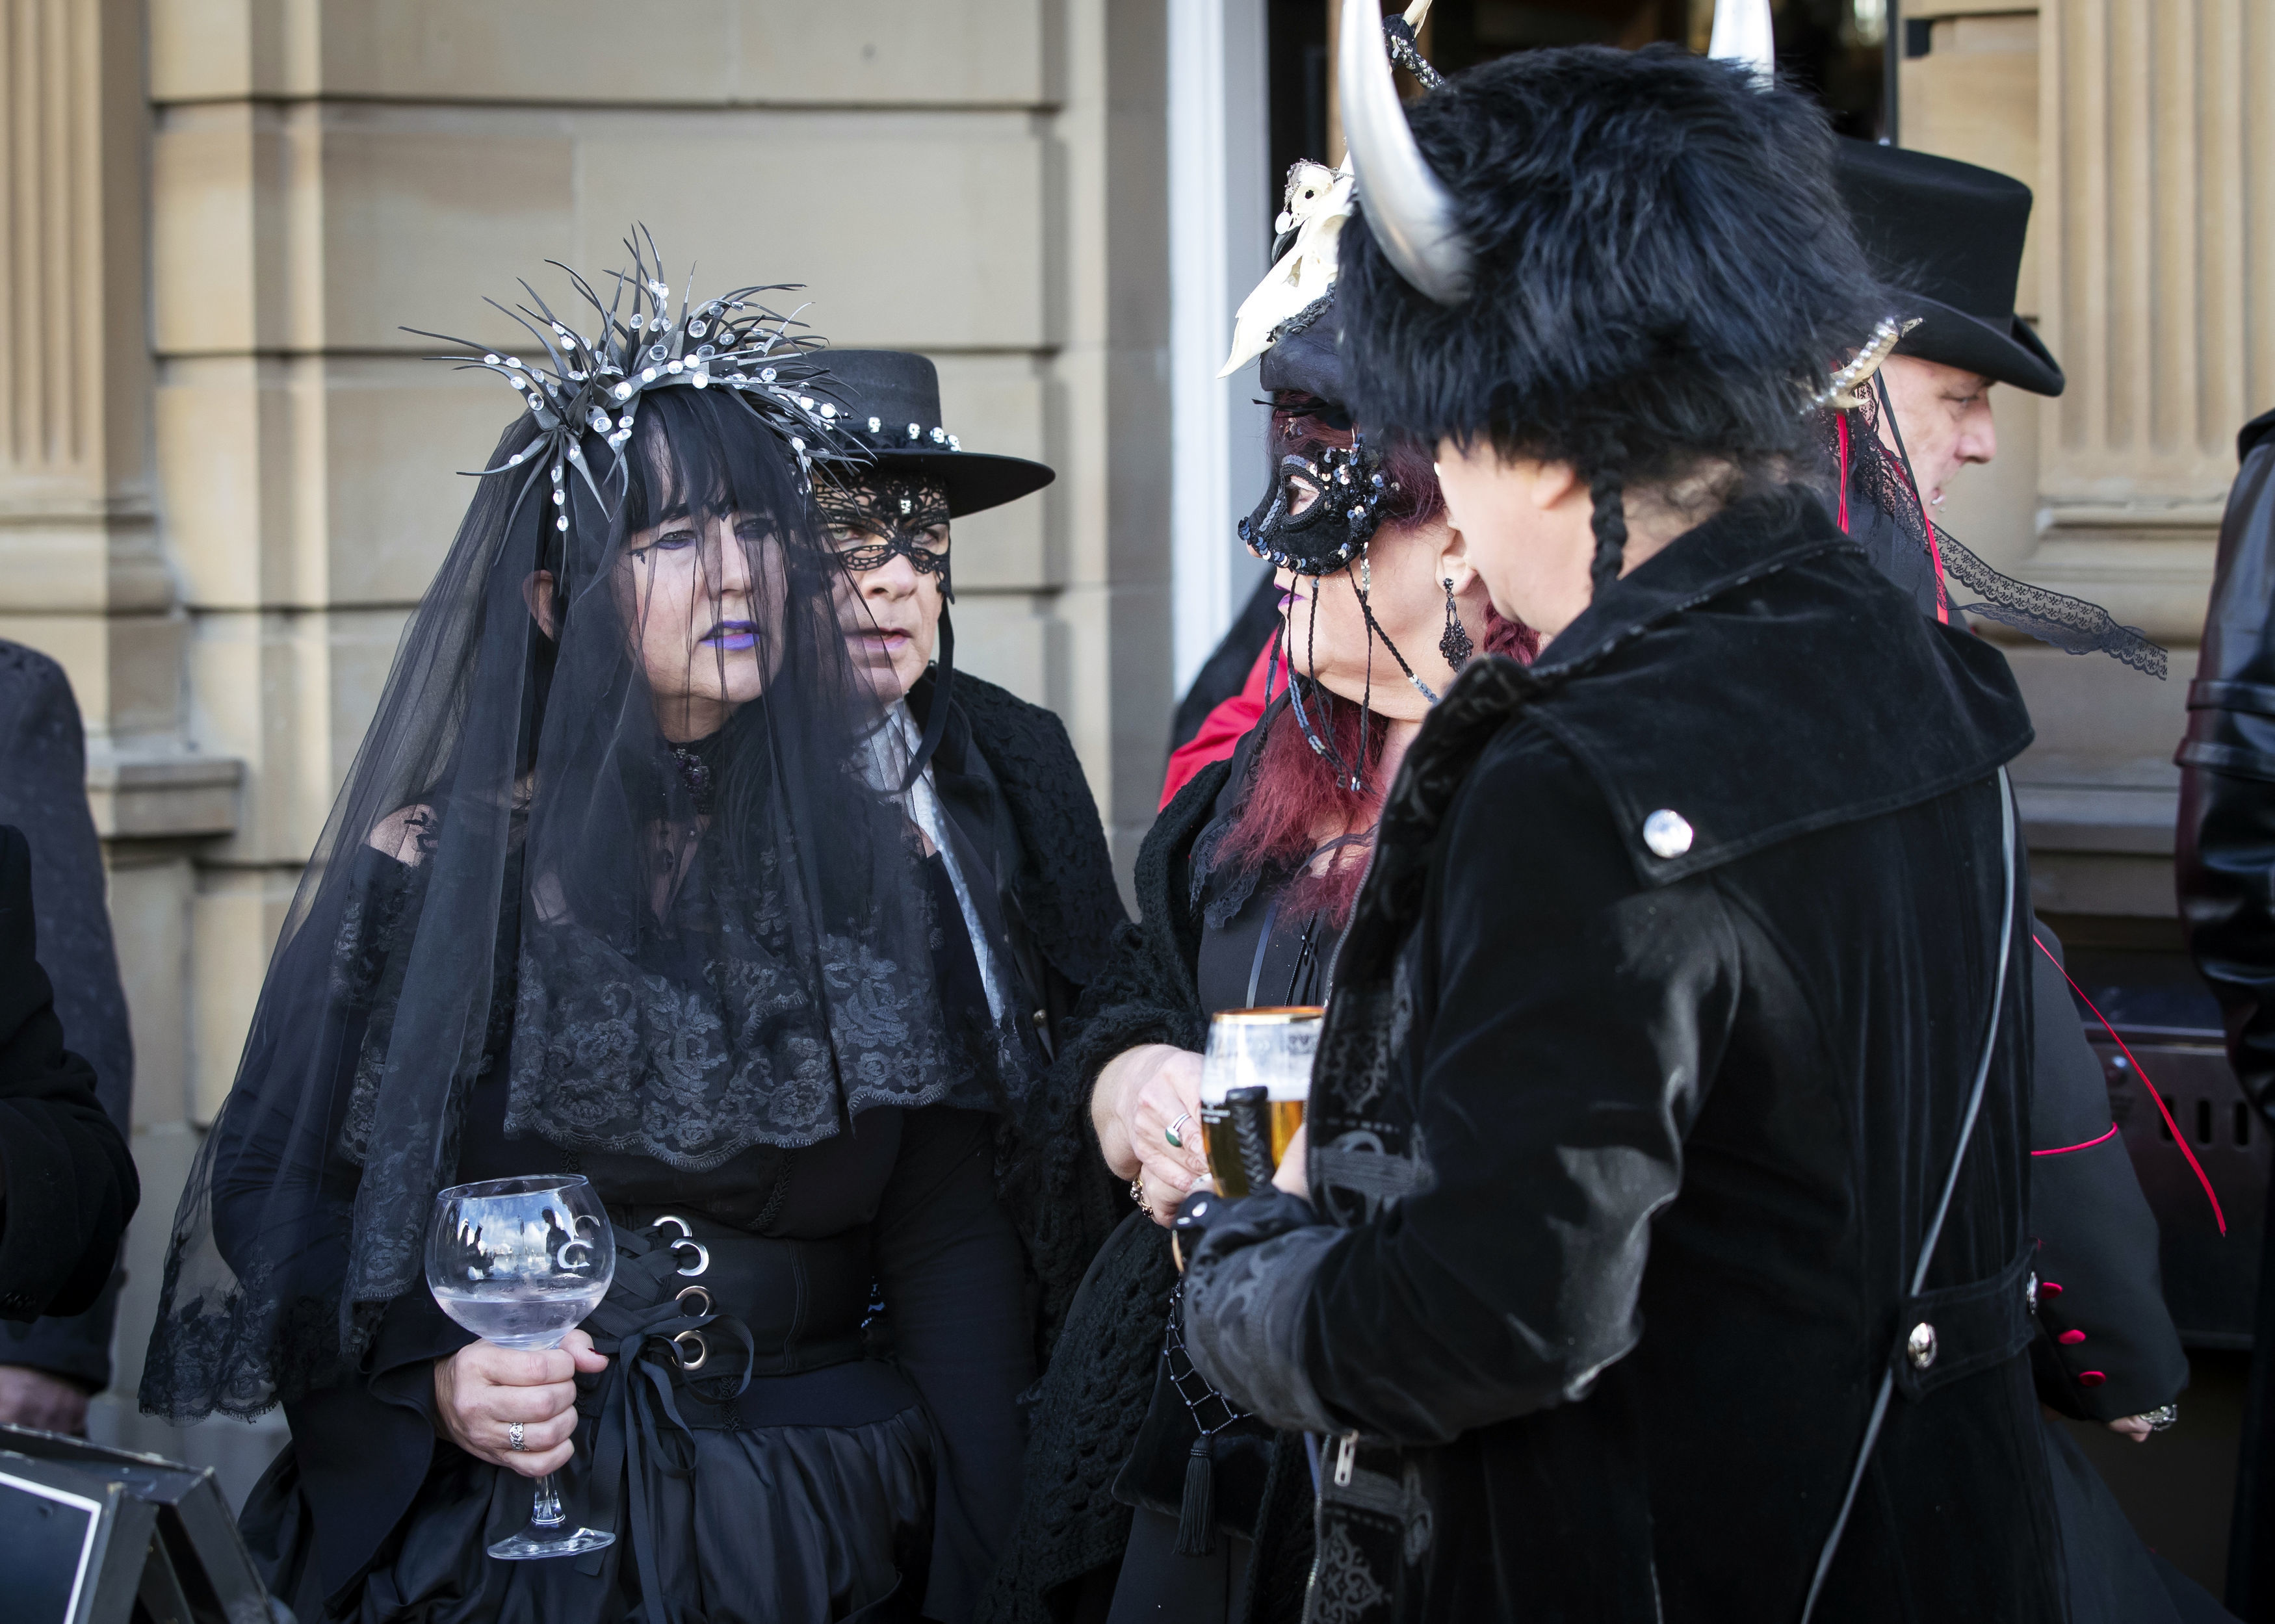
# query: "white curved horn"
{"type": "Point", "coordinates": [1743, 31]}
{"type": "Point", "coordinates": [1408, 207]}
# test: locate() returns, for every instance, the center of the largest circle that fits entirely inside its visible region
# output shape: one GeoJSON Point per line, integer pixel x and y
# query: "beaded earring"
{"type": "Point", "coordinates": [1456, 644]}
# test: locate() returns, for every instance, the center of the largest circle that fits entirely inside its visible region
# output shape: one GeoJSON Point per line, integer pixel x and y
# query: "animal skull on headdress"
{"type": "Point", "coordinates": [1318, 201]}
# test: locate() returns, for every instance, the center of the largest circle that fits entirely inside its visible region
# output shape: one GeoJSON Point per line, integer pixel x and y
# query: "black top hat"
{"type": "Point", "coordinates": [1948, 237]}
{"type": "Point", "coordinates": [888, 401]}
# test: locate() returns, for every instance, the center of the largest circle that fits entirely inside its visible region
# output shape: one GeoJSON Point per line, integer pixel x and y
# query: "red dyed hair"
{"type": "Point", "coordinates": [1293, 793]}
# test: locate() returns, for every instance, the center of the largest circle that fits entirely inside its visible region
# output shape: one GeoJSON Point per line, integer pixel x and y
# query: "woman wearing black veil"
{"type": "Point", "coordinates": [613, 888]}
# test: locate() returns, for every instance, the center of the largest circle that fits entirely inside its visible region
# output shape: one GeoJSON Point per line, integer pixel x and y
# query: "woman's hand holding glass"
{"type": "Point", "coordinates": [519, 1262]}
{"type": "Point", "coordinates": [483, 1390]}
{"type": "Point", "coordinates": [1143, 1096]}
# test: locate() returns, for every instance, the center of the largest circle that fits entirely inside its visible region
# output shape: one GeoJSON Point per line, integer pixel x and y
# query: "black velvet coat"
{"type": "Point", "coordinates": [1623, 1152]}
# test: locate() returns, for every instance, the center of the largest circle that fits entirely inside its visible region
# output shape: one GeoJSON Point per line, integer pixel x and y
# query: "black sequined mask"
{"type": "Point", "coordinates": [1319, 511]}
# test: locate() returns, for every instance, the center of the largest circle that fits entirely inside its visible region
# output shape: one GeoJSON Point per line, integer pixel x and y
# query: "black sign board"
{"type": "Point", "coordinates": [90, 1535]}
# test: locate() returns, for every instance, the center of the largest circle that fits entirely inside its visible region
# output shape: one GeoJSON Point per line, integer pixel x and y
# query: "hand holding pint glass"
{"type": "Point", "coordinates": [1254, 1080]}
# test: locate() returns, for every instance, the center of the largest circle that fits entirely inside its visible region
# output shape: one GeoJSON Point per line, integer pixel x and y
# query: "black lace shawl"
{"type": "Point", "coordinates": [1886, 516]}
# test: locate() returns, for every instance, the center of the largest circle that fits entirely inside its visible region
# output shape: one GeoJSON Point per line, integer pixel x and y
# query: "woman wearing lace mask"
{"type": "Point", "coordinates": [1244, 884]}
{"type": "Point", "coordinates": [609, 891]}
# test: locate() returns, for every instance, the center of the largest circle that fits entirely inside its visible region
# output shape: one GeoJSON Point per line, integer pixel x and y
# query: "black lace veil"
{"type": "Point", "coordinates": [1886, 515]}
{"type": "Point", "coordinates": [681, 925]}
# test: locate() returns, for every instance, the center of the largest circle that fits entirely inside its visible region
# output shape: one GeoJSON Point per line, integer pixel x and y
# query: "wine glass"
{"type": "Point", "coordinates": [519, 1262]}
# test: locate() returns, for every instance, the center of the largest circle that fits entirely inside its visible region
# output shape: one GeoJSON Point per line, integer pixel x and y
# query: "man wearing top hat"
{"type": "Point", "coordinates": [1948, 237]}
{"type": "Point", "coordinates": [996, 780]}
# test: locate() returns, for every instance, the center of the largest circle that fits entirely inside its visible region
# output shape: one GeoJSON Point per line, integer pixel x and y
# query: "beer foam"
{"type": "Point", "coordinates": [1282, 1084]}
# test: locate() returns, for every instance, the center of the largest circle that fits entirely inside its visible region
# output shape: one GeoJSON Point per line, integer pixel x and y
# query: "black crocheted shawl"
{"type": "Point", "coordinates": [1093, 1394]}
{"type": "Point", "coordinates": [1050, 1175]}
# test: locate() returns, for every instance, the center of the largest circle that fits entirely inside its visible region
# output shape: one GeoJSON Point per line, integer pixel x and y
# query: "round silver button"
{"type": "Point", "coordinates": [1919, 1347]}
{"type": "Point", "coordinates": [1667, 833]}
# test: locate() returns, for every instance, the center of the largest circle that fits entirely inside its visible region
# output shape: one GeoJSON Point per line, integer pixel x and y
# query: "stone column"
{"type": "Point", "coordinates": [2160, 204]}
{"type": "Point", "coordinates": [2129, 119]}
{"type": "Point", "coordinates": [2156, 225]}
{"type": "Point", "coordinates": [81, 576]}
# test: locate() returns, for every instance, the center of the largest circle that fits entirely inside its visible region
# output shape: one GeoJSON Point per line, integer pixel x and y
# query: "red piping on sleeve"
{"type": "Point", "coordinates": [2085, 1145]}
{"type": "Point", "coordinates": [2179, 1138]}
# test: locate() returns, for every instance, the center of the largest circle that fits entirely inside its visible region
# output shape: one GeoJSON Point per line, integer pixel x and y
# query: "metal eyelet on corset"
{"type": "Point", "coordinates": [702, 1349]}
{"type": "Point", "coordinates": [686, 1239]}
{"type": "Point", "coordinates": [686, 1292]}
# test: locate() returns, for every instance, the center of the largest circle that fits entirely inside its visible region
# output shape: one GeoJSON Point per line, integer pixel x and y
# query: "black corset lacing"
{"type": "Point", "coordinates": [678, 1362]}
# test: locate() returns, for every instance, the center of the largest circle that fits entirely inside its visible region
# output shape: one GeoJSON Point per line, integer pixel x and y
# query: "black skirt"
{"type": "Point", "coordinates": [773, 1525]}
{"type": "Point", "coordinates": [738, 1490]}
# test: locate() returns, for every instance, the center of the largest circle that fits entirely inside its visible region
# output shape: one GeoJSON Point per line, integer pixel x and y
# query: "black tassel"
{"type": "Point", "coordinates": [1196, 1516]}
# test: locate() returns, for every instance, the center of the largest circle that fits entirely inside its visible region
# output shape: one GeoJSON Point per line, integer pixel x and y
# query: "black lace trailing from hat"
{"type": "Point", "coordinates": [1887, 517]}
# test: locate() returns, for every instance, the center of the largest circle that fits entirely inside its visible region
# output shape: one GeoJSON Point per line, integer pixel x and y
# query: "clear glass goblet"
{"type": "Point", "coordinates": [520, 1263]}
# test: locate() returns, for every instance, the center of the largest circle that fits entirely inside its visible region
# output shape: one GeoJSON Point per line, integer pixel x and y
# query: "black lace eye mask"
{"type": "Point", "coordinates": [899, 514]}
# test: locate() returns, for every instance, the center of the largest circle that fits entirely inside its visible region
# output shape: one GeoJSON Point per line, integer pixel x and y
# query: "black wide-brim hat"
{"type": "Point", "coordinates": [1948, 237]}
{"type": "Point", "coordinates": [889, 403]}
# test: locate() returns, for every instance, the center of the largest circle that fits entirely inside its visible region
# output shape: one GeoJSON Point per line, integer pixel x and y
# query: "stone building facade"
{"type": "Point", "coordinates": [226, 474]}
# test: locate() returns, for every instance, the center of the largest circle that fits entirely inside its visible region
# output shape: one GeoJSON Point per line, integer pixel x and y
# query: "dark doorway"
{"type": "Point", "coordinates": [1836, 50]}
{"type": "Point", "coordinates": [1296, 55]}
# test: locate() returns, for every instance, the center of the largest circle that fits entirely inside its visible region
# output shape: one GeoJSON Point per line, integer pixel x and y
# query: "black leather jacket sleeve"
{"type": "Point", "coordinates": [2224, 855]}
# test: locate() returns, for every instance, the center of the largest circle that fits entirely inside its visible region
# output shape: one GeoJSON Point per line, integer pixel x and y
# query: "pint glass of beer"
{"type": "Point", "coordinates": [1254, 1081]}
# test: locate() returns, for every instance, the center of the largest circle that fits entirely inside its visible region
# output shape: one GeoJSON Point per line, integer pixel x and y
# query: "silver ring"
{"type": "Point", "coordinates": [702, 1349]}
{"type": "Point", "coordinates": [686, 1292]}
{"type": "Point", "coordinates": [2160, 1417]}
{"type": "Point", "coordinates": [513, 1440]}
{"type": "Point", "coordinates": [1170, 1133]}
{"type": "Point", "coordinates": [702, 1257]}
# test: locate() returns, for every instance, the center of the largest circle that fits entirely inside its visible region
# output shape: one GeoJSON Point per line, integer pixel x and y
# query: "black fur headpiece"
{"type": "Point", "coordinates": [1664, 273]}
